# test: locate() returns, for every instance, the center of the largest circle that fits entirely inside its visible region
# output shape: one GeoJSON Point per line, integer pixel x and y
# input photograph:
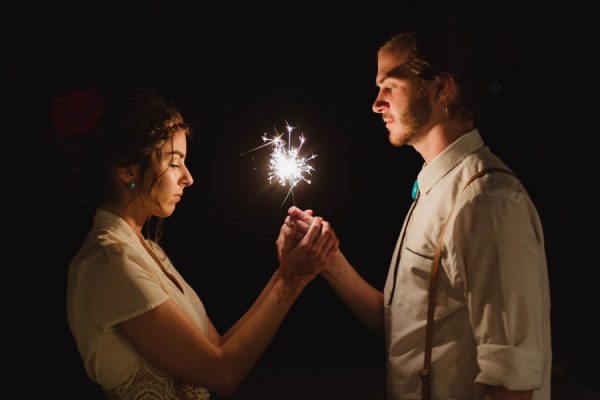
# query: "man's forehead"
{"type": "Point", "coordinates": [392, 65]}
{"type": "Point", "coordinates": [392, 57]}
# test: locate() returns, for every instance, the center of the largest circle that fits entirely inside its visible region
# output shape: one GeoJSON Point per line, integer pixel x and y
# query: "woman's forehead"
{"type": "Point", "coordinates": [177, 144]}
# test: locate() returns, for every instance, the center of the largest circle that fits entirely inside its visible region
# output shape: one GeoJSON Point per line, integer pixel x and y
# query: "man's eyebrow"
{"type": "Point", "coordinates": [380, 82]}
{"type": "Point", "coordinates": [398, 72]}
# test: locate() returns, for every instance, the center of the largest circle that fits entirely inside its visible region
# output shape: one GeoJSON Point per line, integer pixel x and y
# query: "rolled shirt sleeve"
{"type": "Point", "coordinates": [498, 244]}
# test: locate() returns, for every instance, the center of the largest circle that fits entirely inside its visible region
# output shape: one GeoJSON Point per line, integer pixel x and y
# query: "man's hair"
{"type": "Point", "coordinates": [442, 45]}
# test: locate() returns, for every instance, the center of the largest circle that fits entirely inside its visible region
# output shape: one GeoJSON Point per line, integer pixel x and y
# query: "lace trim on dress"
{"type": "Point", "coordinates": [147, 385]}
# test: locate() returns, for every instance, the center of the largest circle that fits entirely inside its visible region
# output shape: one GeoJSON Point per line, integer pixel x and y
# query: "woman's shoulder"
{"type": "Point", "coordinates": [109, 241]}
{"type": "Point", "coordinates": [104, 246]}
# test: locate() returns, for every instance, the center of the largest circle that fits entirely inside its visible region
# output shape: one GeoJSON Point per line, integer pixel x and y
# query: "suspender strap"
{"type": "Point", "coordinates": [425, 373]}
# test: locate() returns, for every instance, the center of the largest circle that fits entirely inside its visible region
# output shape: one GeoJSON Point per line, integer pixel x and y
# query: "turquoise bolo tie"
{"type": "Point", "coordinates": [415, 189]}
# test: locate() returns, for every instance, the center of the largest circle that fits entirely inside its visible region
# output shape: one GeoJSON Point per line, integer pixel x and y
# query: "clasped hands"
{"type": "Point", "coordinates": [305, 245]}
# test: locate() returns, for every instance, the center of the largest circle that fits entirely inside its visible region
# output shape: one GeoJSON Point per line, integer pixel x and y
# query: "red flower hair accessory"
{"type": "Point", "coordinates": [76, 111]}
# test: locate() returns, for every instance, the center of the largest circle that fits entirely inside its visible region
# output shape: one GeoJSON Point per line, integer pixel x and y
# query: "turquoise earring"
{"type": "Point", "coordinates": [131, 185]}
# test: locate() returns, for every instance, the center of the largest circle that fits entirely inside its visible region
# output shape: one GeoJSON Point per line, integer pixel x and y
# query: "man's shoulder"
{"type": "Point", "coordinates": [498, 179]}
{"type": "Point", "coordinates": [482, 159]}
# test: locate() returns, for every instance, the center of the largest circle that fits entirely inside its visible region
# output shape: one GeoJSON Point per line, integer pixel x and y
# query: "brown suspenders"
{"type": "Point", "coordinates": [426, 370]}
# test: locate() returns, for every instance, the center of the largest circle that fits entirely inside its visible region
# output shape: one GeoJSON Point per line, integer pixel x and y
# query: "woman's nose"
{"type": "Point", "coordinates": [187, 178]}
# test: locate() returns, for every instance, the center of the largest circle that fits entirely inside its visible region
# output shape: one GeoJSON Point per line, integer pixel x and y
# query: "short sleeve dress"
{"type": "Point", "coordinates": [111, 279]}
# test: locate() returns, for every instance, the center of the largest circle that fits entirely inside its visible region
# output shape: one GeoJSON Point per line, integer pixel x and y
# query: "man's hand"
{"type": "Point", "coordinates": [302, 219]}
{"type": "Point", "coordinates": [294, 228]}
{"type": "Point", "coordinates": [302, 260]}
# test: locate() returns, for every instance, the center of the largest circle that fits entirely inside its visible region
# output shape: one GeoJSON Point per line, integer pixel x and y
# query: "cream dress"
{"type": "Point", "coordinates": [113, 278]}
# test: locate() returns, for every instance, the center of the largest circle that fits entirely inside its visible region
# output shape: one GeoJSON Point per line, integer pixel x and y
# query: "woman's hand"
{"type": "Point", "coordinates": [303, 257]}
{"type": "Point", "coordinates": [302, 219]}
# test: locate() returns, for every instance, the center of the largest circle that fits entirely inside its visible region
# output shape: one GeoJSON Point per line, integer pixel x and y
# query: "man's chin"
{"type": "Point", "coordinates": [396, 139]}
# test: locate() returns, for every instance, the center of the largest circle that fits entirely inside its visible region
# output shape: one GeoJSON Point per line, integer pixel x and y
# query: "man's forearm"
{"type": "Point", "coordinates": [364, 300]}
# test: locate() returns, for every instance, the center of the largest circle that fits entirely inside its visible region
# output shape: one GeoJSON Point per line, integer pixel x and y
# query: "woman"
{"type": "Point", "coordinates": [141, 330]}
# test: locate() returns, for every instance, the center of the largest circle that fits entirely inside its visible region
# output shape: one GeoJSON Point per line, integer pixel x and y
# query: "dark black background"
{"type": "Point", "coordinates": [236, 73]}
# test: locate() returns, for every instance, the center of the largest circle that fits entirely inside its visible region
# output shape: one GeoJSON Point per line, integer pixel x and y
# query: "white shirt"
{"type": "Point", "coordinates": [492, 313]}
{"type": "Point", "coordinates": [113, 278]}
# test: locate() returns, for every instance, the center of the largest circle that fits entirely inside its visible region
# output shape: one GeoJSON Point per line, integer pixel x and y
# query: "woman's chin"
{"type": "Point", "coordinates": [166, 211]}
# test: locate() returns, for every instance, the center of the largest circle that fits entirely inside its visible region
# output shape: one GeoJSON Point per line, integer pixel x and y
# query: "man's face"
{"type": "Point", "coordinates": [402, 101]}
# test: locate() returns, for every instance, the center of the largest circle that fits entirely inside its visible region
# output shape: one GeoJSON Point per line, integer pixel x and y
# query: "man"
{"type": "Point", "coordinates": [491, 325]}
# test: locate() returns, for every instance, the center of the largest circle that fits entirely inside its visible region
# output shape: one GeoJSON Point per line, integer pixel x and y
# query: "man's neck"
{"type": "Point", "coordinates": [441, 135]}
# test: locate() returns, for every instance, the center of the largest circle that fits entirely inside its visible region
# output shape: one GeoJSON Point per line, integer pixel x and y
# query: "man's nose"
{"type": "Point", "coordinates": [380, 105]}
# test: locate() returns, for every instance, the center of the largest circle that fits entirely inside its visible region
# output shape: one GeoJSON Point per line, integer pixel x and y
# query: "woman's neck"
{"type": "Point", "coordinates": [130, 214]}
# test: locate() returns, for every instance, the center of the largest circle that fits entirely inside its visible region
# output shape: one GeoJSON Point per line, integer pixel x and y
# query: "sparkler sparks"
{"type": "Point", "coordinates": [286, 165]}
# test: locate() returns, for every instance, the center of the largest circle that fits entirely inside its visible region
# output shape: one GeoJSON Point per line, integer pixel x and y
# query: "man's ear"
{"type": "Point", "coordinates": [445, 87]}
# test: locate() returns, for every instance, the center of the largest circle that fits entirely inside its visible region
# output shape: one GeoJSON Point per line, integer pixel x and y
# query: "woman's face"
{"type": "Point", "coordinates": [173, 177]}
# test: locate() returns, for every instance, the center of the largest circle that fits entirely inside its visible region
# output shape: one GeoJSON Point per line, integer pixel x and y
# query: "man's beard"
{"type": "Point", "coordinates": [413, 120]}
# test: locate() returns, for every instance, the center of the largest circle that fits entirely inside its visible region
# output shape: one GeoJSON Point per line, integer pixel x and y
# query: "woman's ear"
{"type": "Point", "coordinates": [128, 174]}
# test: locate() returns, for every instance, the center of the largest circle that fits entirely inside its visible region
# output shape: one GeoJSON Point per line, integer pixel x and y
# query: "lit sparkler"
{"type": "Point", "coordinates": [286, 165]}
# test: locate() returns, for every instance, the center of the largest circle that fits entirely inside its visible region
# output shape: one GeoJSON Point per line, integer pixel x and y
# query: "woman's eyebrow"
{"type": "Point", "coordinates": [177, 152]}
